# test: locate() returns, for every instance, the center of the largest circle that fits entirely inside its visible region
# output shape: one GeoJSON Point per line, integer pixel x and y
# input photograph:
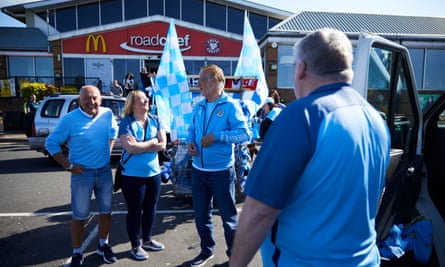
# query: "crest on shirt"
{"type": "Point", "coordinates": [220, 113]}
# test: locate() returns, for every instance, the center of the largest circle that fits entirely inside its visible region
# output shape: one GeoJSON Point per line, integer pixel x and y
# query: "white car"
{"type": "Point", "coordinates": [414, 197]}
{"type": "Point", "coordinates": [54, 107]}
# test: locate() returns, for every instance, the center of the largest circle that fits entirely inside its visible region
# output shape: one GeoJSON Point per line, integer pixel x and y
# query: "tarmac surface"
{"type": "Point", "coordinates": [174, 227]}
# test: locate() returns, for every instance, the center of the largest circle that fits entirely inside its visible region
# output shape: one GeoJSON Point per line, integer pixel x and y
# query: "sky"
{"type": "Point", "coordinates": [429, 8]}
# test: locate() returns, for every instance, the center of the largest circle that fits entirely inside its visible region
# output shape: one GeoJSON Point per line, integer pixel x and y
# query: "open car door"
{"type": "Point", "coordinates": [383, 74]}
{"type": "Point", "coordinates": [431, 202]}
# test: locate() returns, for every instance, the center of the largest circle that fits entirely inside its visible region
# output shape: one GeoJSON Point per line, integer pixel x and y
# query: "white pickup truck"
{"type": "Point", "coordinates": [415, 182]}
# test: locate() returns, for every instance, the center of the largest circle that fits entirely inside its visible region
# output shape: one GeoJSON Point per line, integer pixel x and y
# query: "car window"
{"type": "Point", "coordinates": [52, 108]}
{"type": "Point", "coordinates": [115, 105]}
{"type": "Point", "coordinates": [74, 104]}
{"type": "Point", "coordinates": [378, 80]}
{"type": "Point", "coordinates": [397, 108]}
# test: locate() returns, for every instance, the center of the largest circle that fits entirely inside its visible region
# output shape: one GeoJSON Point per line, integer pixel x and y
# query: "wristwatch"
{"type": "Point", "coordinates": [70, 167]}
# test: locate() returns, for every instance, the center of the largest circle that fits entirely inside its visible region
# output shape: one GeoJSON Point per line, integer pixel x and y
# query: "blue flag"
{"type": "Point", "coordinates": [250, 64]}
{"type": "Point", "coordinates": [172, 92]}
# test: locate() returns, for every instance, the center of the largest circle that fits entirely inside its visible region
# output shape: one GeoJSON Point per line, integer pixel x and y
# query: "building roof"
{"type": "Point", "coordinates": [385, 25]}
{"type": "Point", "coordinates": [22, 39]}
{"type": "Point", "coordinates": [17, 8]}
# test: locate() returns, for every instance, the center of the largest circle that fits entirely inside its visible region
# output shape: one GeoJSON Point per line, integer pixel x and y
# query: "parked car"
{"type": "Point", "coordinates": [53, 108]}
{"type": "Point", "coordinates": [415, 181]}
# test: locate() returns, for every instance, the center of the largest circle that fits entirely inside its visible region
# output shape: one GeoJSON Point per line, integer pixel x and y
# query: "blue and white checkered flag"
{"type": "Point", "coordinates": [172, 92]}
{"type": "Point", "coordinates": [249, 64]}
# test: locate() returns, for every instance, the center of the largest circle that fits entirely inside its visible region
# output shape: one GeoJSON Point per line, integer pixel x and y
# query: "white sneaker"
{"type": "Point", "coordinates": [139, 254]}
{"type": "Point", "coordinates": [153, 245]}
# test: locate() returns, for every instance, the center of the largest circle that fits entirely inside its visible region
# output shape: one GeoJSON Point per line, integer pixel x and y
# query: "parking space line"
{"type": "Point", "coordinates": [68, 213]}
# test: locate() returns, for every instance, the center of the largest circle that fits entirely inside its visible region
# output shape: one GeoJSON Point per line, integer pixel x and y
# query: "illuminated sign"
{"type": "Point", "coordinates": [145, 43]}
{"type": "Point", "coordinates": [96, 40]}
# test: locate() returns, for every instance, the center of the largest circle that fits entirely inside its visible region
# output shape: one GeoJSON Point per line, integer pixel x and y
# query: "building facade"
{"type": "Point", "coordinates": [423, 36]}
{"type": "Point", "coordinates": [104, 40]}
{"type": "Point", "coordinates": [86, 41]}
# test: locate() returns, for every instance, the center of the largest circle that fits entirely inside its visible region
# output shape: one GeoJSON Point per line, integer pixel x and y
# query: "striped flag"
{"type": "Point", "coordinates": [249, 64]}
{"type": "Point", "coordinates": [172, 92]}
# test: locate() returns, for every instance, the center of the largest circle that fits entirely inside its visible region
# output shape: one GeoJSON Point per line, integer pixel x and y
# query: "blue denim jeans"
{"type": "Point", "coordinates": [219, 185]}
{"type": "Point", "coordinates": [141, 195]}
{"type": "Point", "coordinates": [99, 181]}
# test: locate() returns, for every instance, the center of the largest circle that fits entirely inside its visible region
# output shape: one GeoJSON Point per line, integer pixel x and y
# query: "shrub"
{"type": "Point", "coordinates": [41, 90]}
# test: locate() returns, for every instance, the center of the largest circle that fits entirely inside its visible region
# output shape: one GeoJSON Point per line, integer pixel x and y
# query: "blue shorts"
{"type": "Point", "coordinates": [82, 186]}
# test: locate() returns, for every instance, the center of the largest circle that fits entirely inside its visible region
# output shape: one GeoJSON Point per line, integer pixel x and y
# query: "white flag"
{"type": "Point", "coordinates": [250, 64]}
{"type": "Point", "coordinates": [172, 92]}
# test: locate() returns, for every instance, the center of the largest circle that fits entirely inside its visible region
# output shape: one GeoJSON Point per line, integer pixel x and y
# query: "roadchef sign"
{"type": "Point", "coordinates": [150, 39]}
{"type": "Point", "coordinates": [147, 42]}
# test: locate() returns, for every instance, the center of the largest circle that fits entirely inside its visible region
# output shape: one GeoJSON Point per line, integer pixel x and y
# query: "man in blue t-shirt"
{"type": "Point", "coordinates": [313, 191]}
{"type": "Point", "coordinates": [89, 132]}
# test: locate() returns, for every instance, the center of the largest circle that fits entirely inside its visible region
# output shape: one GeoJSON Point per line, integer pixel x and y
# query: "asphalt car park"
{"type": "Point", "coordinates": [35, 217]}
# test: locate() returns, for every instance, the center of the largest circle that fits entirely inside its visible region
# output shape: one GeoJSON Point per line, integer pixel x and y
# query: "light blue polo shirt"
{"type": "Point", "coordinates": [323, 164]}
{"type": "Point", "coordinates": [88, 137]}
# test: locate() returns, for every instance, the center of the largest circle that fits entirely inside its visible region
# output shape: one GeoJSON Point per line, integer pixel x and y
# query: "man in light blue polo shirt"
{"type": "Point", "coordinates": [90, 132]}
{"type": "Point", "coordinates": [314, 188]}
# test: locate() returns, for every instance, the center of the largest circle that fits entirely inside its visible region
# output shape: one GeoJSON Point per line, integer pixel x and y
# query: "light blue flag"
{"type": "Point", "coordinates": [172, 92]}
{"type": "Point", "coordinates": [250, 64]}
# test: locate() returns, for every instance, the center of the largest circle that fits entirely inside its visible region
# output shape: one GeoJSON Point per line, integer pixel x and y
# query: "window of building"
{"type": "Point", "coordinates": [173, 9]}
{"type": "Point", "coordinates": [88, 15]}
{"type": "Point", "coordinates": [285, 72]}
{"type": "Point", "coordinates": [122, 66]}
{"type": "Point", "coordinates": [44, 69]}
{"type": "Point", "coordinates": [47, 16]}
{"type": "Point", "coordinates": [73, 72]}
{"type": "Point", "coordinates": [215, 16]}
{"type": "Point", "coordinates": [32, 68]}
{"type": "Point", "coordinates": [152, 64]}
{"type": "Point", "coordinates": [273, 22]}
{"type": "Point", "coordinates": [418, 59]}
{"type": "Point", "coordinates": [259, 24]}
{"type": "Point", "coordinates": [21, 66]}
{"type": "Point", "coordinates": [235, 20]}
{"type": "Point", "coordinates": [66, 19]}
{"type": "Point", "coordinates": [192, 67]}
{"type": "Point", "coordinates": [193, 11]}
{"type": "Point", "coordinates": [434, 73]}
{"type": "Point", "coordinates": [155, 7]}
{"type": "Point", "coordinates": [135, 9]}
{"type": "Point", "coordinates": [110, 11]}
{"type": "Point", "coordinates": [226, 66]}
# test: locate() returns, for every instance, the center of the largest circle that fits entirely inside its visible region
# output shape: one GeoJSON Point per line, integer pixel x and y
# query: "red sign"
{"type": "Point", "coordinates": [149, 39]}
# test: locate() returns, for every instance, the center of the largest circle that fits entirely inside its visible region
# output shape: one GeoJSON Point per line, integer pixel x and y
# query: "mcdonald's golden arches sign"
{"type": "Point", "coordinates": [95, 40]}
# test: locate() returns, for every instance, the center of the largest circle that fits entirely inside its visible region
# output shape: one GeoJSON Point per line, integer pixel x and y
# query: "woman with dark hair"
{"type": "Point", "coordinates": [277, 98]}
{"type": "Point", "coordinates": [130, 83]}
{"type": "Point", "coordinates": [270, 111]}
